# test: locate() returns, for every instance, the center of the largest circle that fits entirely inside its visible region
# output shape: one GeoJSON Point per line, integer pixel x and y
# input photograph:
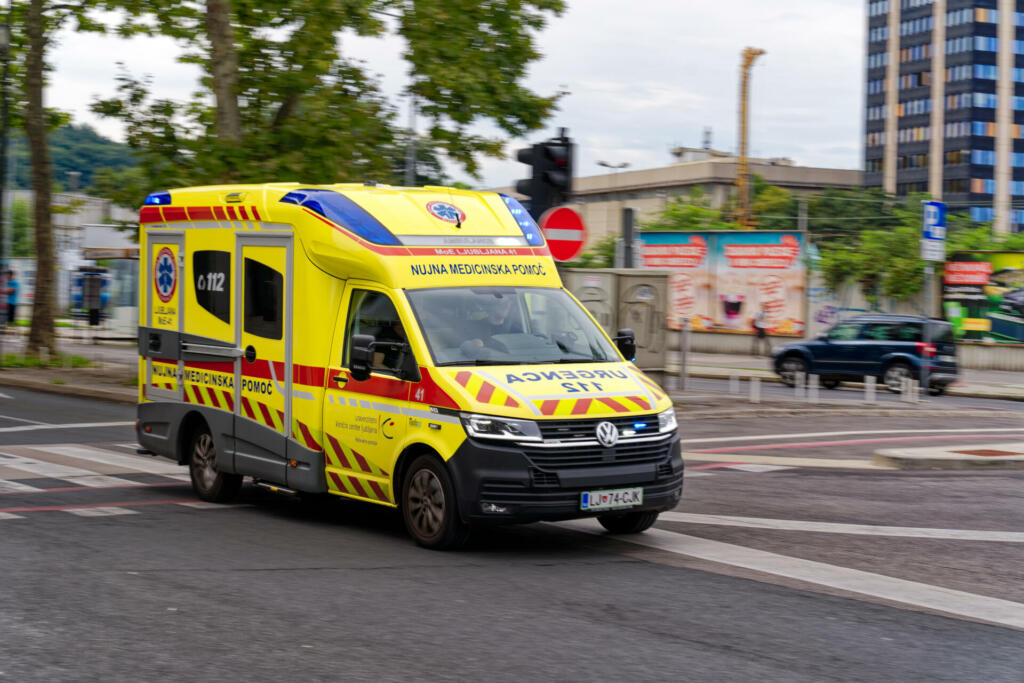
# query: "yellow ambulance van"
{"type": "Point", "coordinates": [412, 348]}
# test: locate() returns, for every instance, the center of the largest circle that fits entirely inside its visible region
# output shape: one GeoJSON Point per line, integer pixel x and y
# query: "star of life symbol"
{"type": "Point", "coordinates": [607, 434]}
{"type": "Point", "coordinates": [165, 274]}
{"type": "Point", "coordinates": [449, 213]}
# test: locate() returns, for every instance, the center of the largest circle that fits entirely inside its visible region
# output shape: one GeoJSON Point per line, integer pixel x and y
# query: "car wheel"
{"type": "Point", "coordinates": [937, 390]}
{"type": "Point", "coordinates": [830, 383]}
{"type": "Point", "coordinates": [429, 507]}
{"type": "Point", "coordinates": [209, 483]}
{"type": "Point", "coordinates": [628, 522]}
{"type": "Point", "coordinates": [894, 376]}
{"type": "Point", "coordinates": [788, 369]}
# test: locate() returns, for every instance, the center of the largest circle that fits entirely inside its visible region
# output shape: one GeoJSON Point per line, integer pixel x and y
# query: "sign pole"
{"type": "Point", "coordinates": [933, 248]}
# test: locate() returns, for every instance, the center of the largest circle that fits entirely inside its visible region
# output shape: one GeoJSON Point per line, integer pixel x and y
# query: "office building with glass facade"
{"type": "Point", "coordinates": [944, 106]}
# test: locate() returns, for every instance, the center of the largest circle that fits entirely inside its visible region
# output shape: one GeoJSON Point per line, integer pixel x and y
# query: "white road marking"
{"type": "Point", "coordinates": [101, 512]}
{"type": "Point", "coordinates": [7, 486]}
{"type": "Point", "coordinates": [911, 593]}
{"type": "Point", "coordinates": [855, 529]}
{"type": "Point", "coordinates": [750, 467]}
{"type": "Point", "coordinates": [138, 463]}
{"type": "Point", "coordinates": [2, 395]}
{"type": "Point", "coordinates": [766, 437]}
{"type": "Point", "coordinates": [75, 475]}
{"type": "Point", "coordinates": [688, 474]}
{"type": "Point", "coordinates": [21, 419]}
{"type": "Point", "coordinates": [76, 425]}
{"type": "Point", "coordinates": [10, 515]}
{"type": "Point", "coordinates": [205, 505]}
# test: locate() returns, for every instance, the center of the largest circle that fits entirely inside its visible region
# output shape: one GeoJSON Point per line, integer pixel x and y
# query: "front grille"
{"type": "Point", "coordinates": [623, 453]}
{"type": "Point", "coordinates": [543, 479]}
{"type": "Point", "coordinates": [559, 430]}
{"type": "Point", "coordinates": [501, 494]}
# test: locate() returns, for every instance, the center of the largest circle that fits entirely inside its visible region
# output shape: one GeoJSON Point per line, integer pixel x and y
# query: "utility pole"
{"type": "Point", "coordinates": [743, 213]}
{"type": "Point", "coordinates": [410, 148]}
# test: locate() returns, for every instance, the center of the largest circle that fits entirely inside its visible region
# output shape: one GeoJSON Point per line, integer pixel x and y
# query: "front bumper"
{"type": "Point", "coordinates": [488, 475]}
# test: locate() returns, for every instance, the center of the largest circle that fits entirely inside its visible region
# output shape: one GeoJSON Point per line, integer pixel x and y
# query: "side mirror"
{"type": "Point", "coordinates": [626, 341]}
{"type": "Point", "coordinates": [362, 357]}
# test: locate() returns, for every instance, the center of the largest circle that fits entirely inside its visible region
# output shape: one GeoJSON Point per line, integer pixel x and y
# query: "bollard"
{"type": "Point", "coordinates": [869, 389]}
{"type": "Point", "coordinates": [812, 388]}
{"type": "Point", "coordinates": [799, 380]}
{"type": "Point", "coordinates": [755, 389]}
{"type": "Point", "coordinates": [734, 383]}
{"type": "Point", "coordinates": [905, 390]}
{"type": "Point", "coordinates": [915, 391]}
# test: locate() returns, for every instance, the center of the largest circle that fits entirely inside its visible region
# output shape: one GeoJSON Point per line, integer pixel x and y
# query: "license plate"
{"type": "Point", "coordinates": [947, 359]}
{"type": "Point", "coordinates": [607, 500]}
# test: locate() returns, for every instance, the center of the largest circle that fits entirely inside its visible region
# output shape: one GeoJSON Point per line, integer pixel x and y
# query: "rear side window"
{"type": "Point", "coordinates": [879, 331]}
{"type": "Point", "coordinates": [264, 300]}
{"type": "Point", "coordinates": [844, 331]}
{"type": "Point", "coordinates": [941, 333]}
{"type": "Point", "coordinates": [211, 278]}
{"type": "Point", "coordinates": [908, 332]}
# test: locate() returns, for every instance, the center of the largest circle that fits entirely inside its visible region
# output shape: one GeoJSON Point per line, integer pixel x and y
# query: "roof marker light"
{"type": "Point", "coordinates": [341, 210]}
{"type": "Point", "coordinates": [526, 223]}
{"type": "Point", "coordinates": [158, 199]}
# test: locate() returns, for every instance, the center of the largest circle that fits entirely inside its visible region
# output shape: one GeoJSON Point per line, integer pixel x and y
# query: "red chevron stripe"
{"type": "Point", "coordinates": [337, 481]}
{"type": "Point", "coordinates": [357, 486]}
{"type": "Point", "coordinates": [339, 452]}
{"type": "Point", "coordinates": [218, 211]}
{"type": "Point", "coordinates": [231, 213]}
{"type": "Point", "coordinates": [363, 465]}
{"type": "Point", "coordinates": [310, 441]}
{"type": "Point", "coordinates": [582, 406]}
{"type": "Point", "coordinates": [378, 490]}
{"type": "Point", "coordinates": [248, 409]}
{"type": "Point", "coordinates": [198, 395]}
{"type": "Point", "coordinates": [613, 404]}
{"type": "Point", "coordinates": [485, 393]}
{"type": "Point", "coordinates": [255, 213]}
{"type": "Point", "coordinates": [267, 420]}
{"type": "Point", "coordinates": [229, 401]}
{"type": "Point", "coordinates": [548, 407]}
{"type": "Point", "coordinates": [641, 401]}
{"type": "Point", "coordinates": [213, 397]}
{"type": "Point", "coordinates": [463, 377]}
{"type": "Point", "coordinates": [511, 402]}
{"type": "Point", "coordinates": [242, 213]}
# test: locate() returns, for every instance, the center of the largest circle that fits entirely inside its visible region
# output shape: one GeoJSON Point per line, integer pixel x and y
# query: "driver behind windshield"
{"type": "Point", "coordinates": [496, 321]}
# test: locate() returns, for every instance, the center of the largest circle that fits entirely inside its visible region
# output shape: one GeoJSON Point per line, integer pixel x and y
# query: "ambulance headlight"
{"type": "Point", "coordinates": [667, 421]}
{"type": "Point", "coordinates": [490, 427]}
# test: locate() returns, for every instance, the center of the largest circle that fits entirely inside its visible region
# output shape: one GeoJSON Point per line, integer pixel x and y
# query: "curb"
{"type": "Point", "coordinates": [730, 414]}
{"type": "Point", "coordinates": [904, 459]}
{"type": "Point", "coordinates": [774, 379]}
{"type": "Point", "coordinates": [76, 391]}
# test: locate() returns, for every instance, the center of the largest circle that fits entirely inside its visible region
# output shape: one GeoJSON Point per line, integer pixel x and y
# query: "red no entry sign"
{"type": "Point", "coordinates": [565, 232]}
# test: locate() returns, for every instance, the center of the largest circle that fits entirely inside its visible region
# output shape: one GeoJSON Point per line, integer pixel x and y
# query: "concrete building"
{"type": "Point", "coordinates": [601, 198]}
{"type": "Point", "coordinates": [945, 104]}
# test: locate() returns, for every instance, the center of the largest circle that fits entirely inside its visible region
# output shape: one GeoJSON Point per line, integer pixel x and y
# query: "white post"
{"type": "Point", "coordinates": [915, 391]}
{"type": "Point", "coordinates": [869, 389]}
{"type": "Point", "coordinates": [755, 389]}
{"type": "Point", "coordinates": [812, 389]}
{"type": "Point", "coordinates": [734, 383]}
{"type": "Point", "coordinates": [799, 384]}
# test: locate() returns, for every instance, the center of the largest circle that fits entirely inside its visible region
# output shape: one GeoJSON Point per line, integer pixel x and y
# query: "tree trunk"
{"type": "Point", "coordinates": [224, 70]}
{"type": "Point", "coordinates": [41, 335]}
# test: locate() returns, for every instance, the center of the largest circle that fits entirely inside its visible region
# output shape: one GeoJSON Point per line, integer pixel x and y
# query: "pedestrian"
{"type": "Point", "coordinates": [12, 286]}
{"type": "Point", "coordinates": [761, 333]}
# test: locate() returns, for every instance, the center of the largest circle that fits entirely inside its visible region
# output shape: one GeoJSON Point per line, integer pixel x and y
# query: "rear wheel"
{"type": "Point", "coordinates": [210, 484]}
{"type": "Point", "coordinates": [429, 507]}
{"type": "Point", "coordinates": [894, 376]}
{"type": "Point", "coordinates": [628, 522]}
{"type": "Point", "coordinates": [788, 369]}
{"type": "Point", "coordinates": [937, 390]}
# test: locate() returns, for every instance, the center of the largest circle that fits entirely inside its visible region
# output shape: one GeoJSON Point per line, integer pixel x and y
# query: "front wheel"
{"type": "Point", "coordinates": [628, 522]}
{"type": "Point", "coordinates": [788, 369]}
{"type": "Point", "coordinates": [208, 482]}
{"type": "Point", "coordinates": [429, 506]}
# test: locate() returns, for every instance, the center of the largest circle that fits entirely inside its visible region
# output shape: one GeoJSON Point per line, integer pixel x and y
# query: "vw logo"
{"type": "Point", "coordinates": [607, 434]}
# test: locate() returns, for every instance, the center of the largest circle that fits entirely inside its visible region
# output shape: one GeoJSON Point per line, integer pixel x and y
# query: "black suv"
{"type": "Point", "coordinates": [889, 347]}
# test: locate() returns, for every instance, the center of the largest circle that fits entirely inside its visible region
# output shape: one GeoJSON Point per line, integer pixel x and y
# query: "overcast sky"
{"type": "Point", "coordinates": [643, 76]}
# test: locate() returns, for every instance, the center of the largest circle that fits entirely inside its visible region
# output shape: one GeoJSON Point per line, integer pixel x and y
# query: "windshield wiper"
{"type": "Point", "coordinates": [483, 361]}
{"type": "Point", "coordinates": [581, 359]}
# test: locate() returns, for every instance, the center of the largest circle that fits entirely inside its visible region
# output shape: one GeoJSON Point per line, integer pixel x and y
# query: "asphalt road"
{"type": "Point", "coordinates": [112, 570]}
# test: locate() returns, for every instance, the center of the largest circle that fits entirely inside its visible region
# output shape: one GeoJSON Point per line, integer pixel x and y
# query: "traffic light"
{"type": "Point", "coordinates": [550, 183]}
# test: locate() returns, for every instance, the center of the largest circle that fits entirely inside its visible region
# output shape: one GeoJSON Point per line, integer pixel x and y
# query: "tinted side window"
{"type": "Point", "coordinates": [941, 333]}
{"type": "Point", "coordinates": [844, 331]}
{"type": "Point", "coordinates": [211, 278]}
{"type": "Point", "coordinates": [373, 313]}
{"type": "Point", "coordinates": [879, 331]}
{"type": "Point", "coordinates": [908, 332]}
{"type": "Point", "coordinates": [264, 300]}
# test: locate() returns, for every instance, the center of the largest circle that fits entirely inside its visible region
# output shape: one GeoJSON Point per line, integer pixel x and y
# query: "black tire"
{"type": "Point", "coordinates": [830, 383]}
{"type": "Point", "coordinates": [208, 483]}
{"type": "Point", "coordinates": [894, 373]}
{"type": "Point", "coordinates": [429, 506]}
{"type": "Point", "coordinates": [788, 367]}
{"type": "Point", "coordinates": [628, 522]}
{"type": "Point", "coordinates": [937, 390]}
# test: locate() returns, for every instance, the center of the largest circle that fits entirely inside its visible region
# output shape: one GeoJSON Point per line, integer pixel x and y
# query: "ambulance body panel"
{"type": "Point", "coordinates": [325, 338]}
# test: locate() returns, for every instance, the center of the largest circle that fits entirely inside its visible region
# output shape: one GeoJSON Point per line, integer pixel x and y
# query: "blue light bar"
{"type": "Point", "coordinates": [533, 235]}
{"type": "Point", "coordinates": [158, 199]}
{"type": "Point", "coordinates": [341, 210]}
{"type": "Point", "coordinates": [639, 425]}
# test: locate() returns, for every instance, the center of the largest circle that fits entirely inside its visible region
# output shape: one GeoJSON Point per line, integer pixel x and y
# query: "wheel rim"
{"type": "Point", "coordinates": [204, 457]}
{"type": "Point", "coordinates": [894, 377]}
{"type": "Point", "coordinates": [789, 369]}
{"type": "Point", "coordinates": [426, 504]}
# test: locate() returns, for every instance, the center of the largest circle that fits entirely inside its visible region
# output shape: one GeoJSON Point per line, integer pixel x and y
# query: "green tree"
{"type": "Point", "coordinates": [279, 100]}
{"type": "Point", "coordinates": [688, 213]}
{"type": "Point", "coordinates": [774, 207]}
{"type": "Point", "coordinates": [600, 255]}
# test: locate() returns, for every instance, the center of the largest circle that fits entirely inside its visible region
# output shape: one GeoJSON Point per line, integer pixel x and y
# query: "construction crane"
{"type": "Point", "coordinates": [744, 217]}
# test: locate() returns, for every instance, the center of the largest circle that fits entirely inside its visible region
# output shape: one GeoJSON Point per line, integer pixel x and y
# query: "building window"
{"type": "Point", "coordinates": [875, 139]}
{"type": "Point", "coordinates": [959, 16]}
{"type": "Point", "coordinates": [912, 54]}
{"type": "Point", "coordinates": [962, 44]}
{"type": "Point", "coordinates": [983, 128]}
{"type": "Point", "coordinates": [982, 214]}
{"type": "Point", "coordinates": [985, 100]}
{"type": "Point", "coordinates": [878, 59]}
{"type": "Point", "coordinates": [911, 4]}
{"type": "Point", "coordinates": [986, 44]}
{"type": "Point", "coordinates": [878, 8]}
{"type": "Point", "coordinates": [915, 134]}
{"type": "Point", "coordinates": [873, 166]}
{"type": "Point", "coordinates": [876, 86]}
{"type": "Point", "coordinates": [986, 16]}
{"type": "Point", "coordinates": [878, 33]}
{"type": "Point", "coordinates": [1018, 18]}
{"type": "Point", "coordinates": [1018, 47]}
{"type": "Point", "coordinates": [958, 129]}
{"type": "Point", "coordinates": [913, 161]}
{"type": "Point", "coordinates": [986, 71]}
{"type": "Point", "coordinates": [983, 185]}
{"type": "Point", "coordinates": [911, 188]}
{"type": "Point", "coordinates": [955, 157]}
{"type": "Point", "coordinates": [914, 107]}
{"type": "Point", "coordinates": [877, 112]}
{"type": "Point", "coordinates": [955, 186]}
{"type": "Point", "coordinates": [919, 25]}
{"type": "Point", "coordinates": [983, 157]}
{"type": "Point", "coordinates": [959, 101]}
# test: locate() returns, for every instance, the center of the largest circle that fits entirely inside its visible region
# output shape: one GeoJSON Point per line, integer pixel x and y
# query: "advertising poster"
{"type": "Point", "coordinates": [723, 279]}
{"type": "Point", "coordinates": [983, 295]}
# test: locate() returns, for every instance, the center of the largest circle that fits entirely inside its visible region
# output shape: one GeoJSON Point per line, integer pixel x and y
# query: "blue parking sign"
{"type": "Point", "coordinates": [933, 231]}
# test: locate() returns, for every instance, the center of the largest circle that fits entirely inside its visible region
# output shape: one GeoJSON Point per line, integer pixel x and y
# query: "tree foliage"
{"type": "Point", "coordinates": [600, 255]}
{"type": "Point", "coordinates": [687, 213]}
{"type": "Point", "coordinates": [280, 101]}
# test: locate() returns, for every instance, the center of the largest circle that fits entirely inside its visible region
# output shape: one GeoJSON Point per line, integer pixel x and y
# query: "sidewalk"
{"type": "Point", "coordinates": [990, 456]}
{"type": "Point", "coordinates": [972, 383]}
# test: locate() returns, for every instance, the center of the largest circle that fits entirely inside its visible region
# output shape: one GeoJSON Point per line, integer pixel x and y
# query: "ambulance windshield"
{"type": "Point", "coordinates": [507, 326]}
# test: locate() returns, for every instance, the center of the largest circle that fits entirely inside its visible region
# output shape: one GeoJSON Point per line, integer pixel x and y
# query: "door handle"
{"type": "Point", "coordinates": [250, 353]}
{"type": "Point", "coordinates": [340, 379]}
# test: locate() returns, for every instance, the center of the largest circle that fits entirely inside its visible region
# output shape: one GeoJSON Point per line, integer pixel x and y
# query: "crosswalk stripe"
{"type": "Point", "coordinates": [75, 475]}
{"type": "Point", "coordinates": [7, 486]}
{"type": "Point", "coordinates": [8, 515]}
{"type": "Point", "coordinates": [131, 462]}
{"type": "Point", "coordinates": [101, 512]}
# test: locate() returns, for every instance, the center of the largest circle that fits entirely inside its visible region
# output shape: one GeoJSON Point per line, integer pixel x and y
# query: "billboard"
{"type": "Point", "coordinates": [721, 280]}
{"type": "Point", "coordinates": [983, 295]}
